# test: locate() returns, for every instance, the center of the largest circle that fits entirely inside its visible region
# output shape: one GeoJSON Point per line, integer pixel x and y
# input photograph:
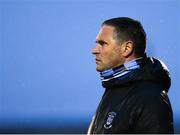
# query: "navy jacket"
{"type": "Point", "coordinates": [137, 103]}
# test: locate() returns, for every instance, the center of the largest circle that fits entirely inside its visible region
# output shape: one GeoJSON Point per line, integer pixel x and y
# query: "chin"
{"type": "Point", "coordinates": [99, 69]}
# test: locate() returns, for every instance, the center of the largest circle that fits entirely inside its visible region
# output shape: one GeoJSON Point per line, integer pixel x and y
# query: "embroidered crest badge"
{"type": "Point", "coordinates": [110, 118]}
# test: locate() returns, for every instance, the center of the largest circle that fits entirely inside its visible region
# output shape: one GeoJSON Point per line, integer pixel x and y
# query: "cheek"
{"type": "Point", "coordinates": [109, 57]}
{"type": "Point", "coordinates": [114, 58]}
{"type": "Point", "coordinates": [105, 54]}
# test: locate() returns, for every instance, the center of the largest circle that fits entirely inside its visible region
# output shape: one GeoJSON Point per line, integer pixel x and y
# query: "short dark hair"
{"type": "Point", "coordinates": [129, 29]}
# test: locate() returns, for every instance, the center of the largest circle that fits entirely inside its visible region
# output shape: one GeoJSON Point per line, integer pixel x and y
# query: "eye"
{"type": "Point", "coordinates": [102, 43]}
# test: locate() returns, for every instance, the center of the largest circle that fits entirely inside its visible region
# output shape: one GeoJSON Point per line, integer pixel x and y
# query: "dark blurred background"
{"type": "Point", "coordinates": [48, 81]}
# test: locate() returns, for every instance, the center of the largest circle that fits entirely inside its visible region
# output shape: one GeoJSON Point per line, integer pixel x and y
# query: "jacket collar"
{"type": "Point", "coordinates": [121, 71]}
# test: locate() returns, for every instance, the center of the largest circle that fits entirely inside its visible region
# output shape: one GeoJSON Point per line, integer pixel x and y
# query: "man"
{"type": "Point", "coordinates": [136, 86]}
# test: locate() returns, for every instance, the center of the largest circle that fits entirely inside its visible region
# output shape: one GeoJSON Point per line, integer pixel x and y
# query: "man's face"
{"type": "Point", "coordinates": [108, 51]}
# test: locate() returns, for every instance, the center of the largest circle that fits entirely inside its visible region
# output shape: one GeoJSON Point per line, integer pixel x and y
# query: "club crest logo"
{"type": "Point", "coordinates": [110, 118]}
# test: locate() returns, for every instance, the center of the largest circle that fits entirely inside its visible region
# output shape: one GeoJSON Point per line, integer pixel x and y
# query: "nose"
{"type": "Point", "coordinates": [95, 50]}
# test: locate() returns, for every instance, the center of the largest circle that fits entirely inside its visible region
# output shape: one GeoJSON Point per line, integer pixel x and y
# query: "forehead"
{"type": "Point", "coordinates": [105, 32]}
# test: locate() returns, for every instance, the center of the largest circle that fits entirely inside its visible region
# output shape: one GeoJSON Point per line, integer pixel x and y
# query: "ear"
{"type": "Point", "coordinates": [127, 48]}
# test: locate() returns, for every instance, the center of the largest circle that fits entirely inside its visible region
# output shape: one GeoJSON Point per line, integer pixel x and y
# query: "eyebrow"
{"type": "Point", "coordinates": [101, 42]}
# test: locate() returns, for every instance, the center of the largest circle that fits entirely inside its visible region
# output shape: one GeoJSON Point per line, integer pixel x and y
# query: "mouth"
{"type": "Point", "coordinates": [97, 61]}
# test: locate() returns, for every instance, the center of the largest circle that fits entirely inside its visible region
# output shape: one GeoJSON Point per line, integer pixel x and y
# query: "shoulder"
{"type": "Point", "coordinates": [153, 108]}
{"type": "Point", "coordinates": [148, 94]}
{"type": "Point", "coordinates": [147, 89]}
{"type": "Point", "coordinates": [150, 97]}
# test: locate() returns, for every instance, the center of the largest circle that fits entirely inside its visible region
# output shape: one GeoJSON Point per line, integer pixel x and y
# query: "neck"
{"type": "Point", "coordinates": [130, 58]}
